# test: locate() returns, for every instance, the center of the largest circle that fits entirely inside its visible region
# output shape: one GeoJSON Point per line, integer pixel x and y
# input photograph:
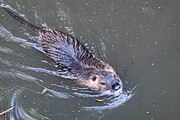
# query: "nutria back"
{"type": "Point", "coordinates": [67, 51]}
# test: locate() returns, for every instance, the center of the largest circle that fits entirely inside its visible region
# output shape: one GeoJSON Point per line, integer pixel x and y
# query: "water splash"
{"type": "Point", "coordinates": [113, 102]}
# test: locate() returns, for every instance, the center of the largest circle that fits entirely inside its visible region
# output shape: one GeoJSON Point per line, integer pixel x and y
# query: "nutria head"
{"type": "Point", "coordinates": [102, 80]}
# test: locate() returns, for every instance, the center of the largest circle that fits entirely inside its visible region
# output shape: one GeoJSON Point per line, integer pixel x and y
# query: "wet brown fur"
{"type": "Point", "coordinates": [70, 55]}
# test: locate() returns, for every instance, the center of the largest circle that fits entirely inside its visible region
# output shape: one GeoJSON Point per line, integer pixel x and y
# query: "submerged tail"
{"type": "Point", "coordinates": [22, 20]}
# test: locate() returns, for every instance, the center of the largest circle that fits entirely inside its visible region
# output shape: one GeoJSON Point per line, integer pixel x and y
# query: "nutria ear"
{"type": "Point", "coordinates": [109, 68]}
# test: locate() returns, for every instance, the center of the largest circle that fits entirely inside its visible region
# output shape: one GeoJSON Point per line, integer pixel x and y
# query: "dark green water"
{"type": "Point", "coordinates": [139, 38]}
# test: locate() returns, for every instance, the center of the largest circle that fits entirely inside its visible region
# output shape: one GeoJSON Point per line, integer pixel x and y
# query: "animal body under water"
{"type": "Point", "coordinates": [74, 59]}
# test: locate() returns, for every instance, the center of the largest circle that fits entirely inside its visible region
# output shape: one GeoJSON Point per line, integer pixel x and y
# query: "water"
{"type": "Point", "coordinates": [139, 38]}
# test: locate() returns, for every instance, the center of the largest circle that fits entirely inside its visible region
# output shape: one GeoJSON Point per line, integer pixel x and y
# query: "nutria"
{"type": "Point", "coordinates": [73, 59]}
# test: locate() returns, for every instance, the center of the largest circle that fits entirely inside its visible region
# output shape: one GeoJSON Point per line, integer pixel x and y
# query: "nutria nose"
{"type": "Point", "coordinates": [116, 86]}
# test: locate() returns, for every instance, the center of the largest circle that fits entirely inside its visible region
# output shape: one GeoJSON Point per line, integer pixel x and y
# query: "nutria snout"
{"type": "Point", "coordinates": [73, 59]}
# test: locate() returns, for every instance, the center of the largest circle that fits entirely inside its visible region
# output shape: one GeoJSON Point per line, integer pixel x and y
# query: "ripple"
{"type": "Point", "coordinates": [113, 102]}
{"type": "Point", "coordinates": [64, 91]}
{"type": "Point", "coordinates": [77, 94]}
{"type": "Point", "coordinates": [6, 50]}
{"type": "Point", "coordinates": [5, 33]}
{"type": "Point", "coordinates": [5, 62]}
{"type": "Point", "coordinates": [59, 72]}
{"type": "Point", "coordinates": [60, 94]}
{"type": "Point", "coordinates": [20, 111]}
{"type": "Point", "coordinates": [30, 104]}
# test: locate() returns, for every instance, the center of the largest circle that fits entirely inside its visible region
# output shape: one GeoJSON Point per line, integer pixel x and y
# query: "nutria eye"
{"type": "Point", "coordinates": [102, 83]}
{"type": "Point", "coordinates": [94, 78]}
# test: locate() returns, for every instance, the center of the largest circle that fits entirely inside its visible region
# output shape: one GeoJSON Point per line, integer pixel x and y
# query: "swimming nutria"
{"type": "Point", "coordinates": [72, 57]}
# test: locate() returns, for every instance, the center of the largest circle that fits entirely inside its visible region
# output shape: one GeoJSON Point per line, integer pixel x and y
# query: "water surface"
{"type": "Point", "coordinates": [139, 38]}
